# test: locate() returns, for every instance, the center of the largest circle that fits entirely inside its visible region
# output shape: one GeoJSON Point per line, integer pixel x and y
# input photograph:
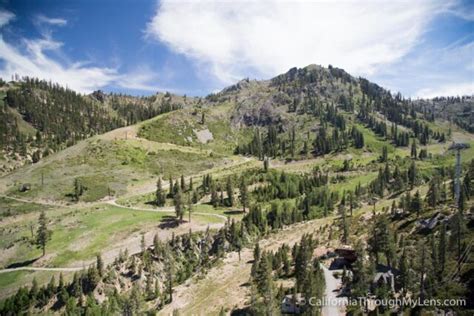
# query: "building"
{"type": "Point", "coordinates": [293, 304]}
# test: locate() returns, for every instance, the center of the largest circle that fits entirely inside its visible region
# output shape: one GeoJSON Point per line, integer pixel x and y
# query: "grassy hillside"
{"type": "Point", "coordinates": [40, 117]}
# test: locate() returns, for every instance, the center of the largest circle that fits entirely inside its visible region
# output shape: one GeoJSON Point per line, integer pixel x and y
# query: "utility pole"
{"type": "Point", "coordinates": [457, 183]}
{"type": "Point", "coordinates": [457, 172]}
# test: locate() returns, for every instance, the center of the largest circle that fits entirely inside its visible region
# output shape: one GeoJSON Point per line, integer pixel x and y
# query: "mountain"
{"type": "Point", "coordinates": [459, 110]}
{"type": "Point", "coordinates": [235, 201]}
{"type": "Point", "coordinates": [287, 115]}
{"type": "Point", "coordinates": [302, 114]}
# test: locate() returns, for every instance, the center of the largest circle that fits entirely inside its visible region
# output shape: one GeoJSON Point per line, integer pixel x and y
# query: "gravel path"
{"type": "Point", "coordinates": [334, 304]}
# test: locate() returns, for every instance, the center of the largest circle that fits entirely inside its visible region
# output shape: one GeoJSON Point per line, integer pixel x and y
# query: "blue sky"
{"type": "Point", "coordinates": [420, 48]}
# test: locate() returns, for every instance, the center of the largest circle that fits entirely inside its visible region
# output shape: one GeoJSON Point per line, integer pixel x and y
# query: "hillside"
{"type": "Point", "coordinates": [41, 118]}
{"type": "Point", "coordinates": [459, 110]}
{"type": "Point", "coordinates": [254, 194]}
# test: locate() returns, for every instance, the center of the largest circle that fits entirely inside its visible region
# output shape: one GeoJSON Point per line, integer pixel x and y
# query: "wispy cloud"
{"type": "Point", "coordinates": [462, 9]}
{"type": "Point", "coordinates": [451, 89]}
{"type": "Point", "coordinates": [5, 17]}
{"type": "Point", "coordinates": [34, 58]}
{"type": "Point", "coordinates": [42, 19]}
{"type": "Point", "coordinates": [34, 62]}
{"type": "Point", "coordinates": [143, 78]}
{"type": "Point", "coordinates": [433, 71]}
{"type": "Point", "coordinates": [232, 38]}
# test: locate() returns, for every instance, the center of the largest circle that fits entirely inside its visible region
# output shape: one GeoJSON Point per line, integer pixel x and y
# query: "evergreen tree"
{"type": "Point", "coordinates": [78, 189]}
{"type": "Point", "coordinates": [160, 198]}
{"type": "Point", "coordinates": [384, 156]}
{"type": "Point", "coordinates": [183, 184]}
{"type": "Point", "coordinates": [244, 198]}
{"type": "Point", "coordinates": [344, 223]}
{"type": "Point", "coordinates": [417, 204]}
{"type": "Point", "coordinates": [214, 195]}
{"type": "Point", "coordinates": [100, 265]}
{"type": "Point", "coordinates": [171, 188]}
{"type": "Point", "coordinates": [412, 174]}
{"type": "Point", "coordinates": [43, 235]}
{"type": "Point", "coordinates": [230, 192]}
{"type": "Point", "coordinates": [433, 195]}
{"type": "Point", "coordinates": [179, 205]}
{"type": "Point", "coordinates": [442, 249]}
{"type": "Point", "coordinates": [413, 153]}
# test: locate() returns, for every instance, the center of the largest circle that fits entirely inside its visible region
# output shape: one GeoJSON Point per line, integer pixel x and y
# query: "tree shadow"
{"type": "Point", "coordinates": [241, 312]}
{"type": "Point", "coordinates": [22, 264]}
{"type": "Point", "coordinates": [338, 264]}
{"type": "Point", "coordinates": [233, 212]}
{"type": "Point", "coordinates": [152, 203]}
{"type": "Point", "coordinates": [169, 221]}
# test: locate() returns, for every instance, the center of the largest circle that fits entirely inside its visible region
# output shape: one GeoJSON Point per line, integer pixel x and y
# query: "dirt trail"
{"type": "Point", "coordinates": [226, 285]}
{"type": "Point", "coordinates": [165, 209]}
{"type": "Point", "coordinates": [334, 304]}
{"type": "Point", "coordinates": [40, 202]}
{"type": "Point", "coordinates": [71, 269]}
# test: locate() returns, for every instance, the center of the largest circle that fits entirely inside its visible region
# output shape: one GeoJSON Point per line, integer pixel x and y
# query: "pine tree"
{"type": "Point", "coordinates": [344, 223]}
{"type": "Point", "coordinates": [417, 204]}
{"type": "Point", "coordinates": [189, 205]}
{"type": "Point", "coordinates": [384, 156]}
{"type": "Point", "coordinates": [170, 194]}
{"type": "Point", "coordinates": [100, 265]}
{"type": "Point", "coordinates": [78, 189]}
{"type": "Point", "coordinates": [442, 249]}
{"type": "Point", "coordinates": [413, 149]}
{"type": "Point", "coordinates": [433, 195]}
{"type": "Point", "coordinates": [214, 195]}
{"type": "Point", "coordinates": [178, 205]}
{"type": "Point", "coordinates": [265, 164]}
{"type": "Point", "coordinates": [244, 199]}
{"type": "Point", "coordinates": [412, 174]}
{"type": "Point", "coordinates": [183, 184]}
{"type": "Point", "coordinates": [230, 192]}
{"type": "Point", "coordinates": [160, 194]}
{"type": "Point", "coordinates": [43, 235]}
{"type": "Point", "coordinates": [404, 268]}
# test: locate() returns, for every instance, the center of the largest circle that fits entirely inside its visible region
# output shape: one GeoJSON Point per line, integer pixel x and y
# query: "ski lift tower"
{"type": "Point", "coordinates": [457, 177]}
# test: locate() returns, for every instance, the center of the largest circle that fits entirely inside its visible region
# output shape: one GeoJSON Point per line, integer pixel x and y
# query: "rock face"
{"type": "Point", "coordinates": [99, 95]}
{"type": "Point", "coordinates": [204, 135]}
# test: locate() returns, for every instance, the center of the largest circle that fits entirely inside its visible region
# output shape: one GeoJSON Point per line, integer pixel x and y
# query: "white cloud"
{"type": "Point", "coordinates": [464, 10]}
{"type": "Point", "coordinates": [142, 78]}
{"type": "Point", "coordinates": [42, 19]}
{"type": "Point", "coordinates": [432, 71]}
{"type": "Point", "coordinates": [34, 58]}
{"type": "Point", "coordinates": [5, 17]}
{"type": "Point", "coordinates": [232, 38]}
{"type": "Point", "coordinates": [452, 89]}
{"type": "Point", "coordinates": [34, 62]}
